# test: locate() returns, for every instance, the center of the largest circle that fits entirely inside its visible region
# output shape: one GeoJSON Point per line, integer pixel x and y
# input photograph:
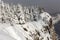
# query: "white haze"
{"type": "Point", "coordinates": [56, 19]}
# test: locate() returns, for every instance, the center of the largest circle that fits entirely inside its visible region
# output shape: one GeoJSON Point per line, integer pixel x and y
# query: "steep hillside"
{"type": "Point", "coordinates": [26, 23]}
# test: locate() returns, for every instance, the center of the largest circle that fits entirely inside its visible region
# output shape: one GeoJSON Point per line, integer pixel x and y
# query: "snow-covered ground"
{"type": "Point", "coordinates": [22, 23]}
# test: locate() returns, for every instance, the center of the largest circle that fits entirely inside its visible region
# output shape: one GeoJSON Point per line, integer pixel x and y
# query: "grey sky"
{"type": "Point", "coordinates": [49, 5]}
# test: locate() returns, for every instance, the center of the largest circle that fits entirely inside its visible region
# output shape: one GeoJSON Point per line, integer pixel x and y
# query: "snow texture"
{"type": "Point", "coordinates": [25, 23]}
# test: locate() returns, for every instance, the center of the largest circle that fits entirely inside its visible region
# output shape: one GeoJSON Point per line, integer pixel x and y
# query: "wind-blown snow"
{"type": "Point", "coordinates": [23, 23]}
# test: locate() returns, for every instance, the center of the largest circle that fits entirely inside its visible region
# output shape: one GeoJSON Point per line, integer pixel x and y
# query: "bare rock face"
{"type": "Point", "coordinates": [22, 23]}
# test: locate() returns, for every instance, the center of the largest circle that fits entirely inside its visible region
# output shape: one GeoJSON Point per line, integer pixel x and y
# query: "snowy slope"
{"type": "Point", "coordinates": [22, 23]}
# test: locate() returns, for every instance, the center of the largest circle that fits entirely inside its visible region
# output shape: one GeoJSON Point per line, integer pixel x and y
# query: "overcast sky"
{"type": "Point", "coordinates": [50, 5]}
